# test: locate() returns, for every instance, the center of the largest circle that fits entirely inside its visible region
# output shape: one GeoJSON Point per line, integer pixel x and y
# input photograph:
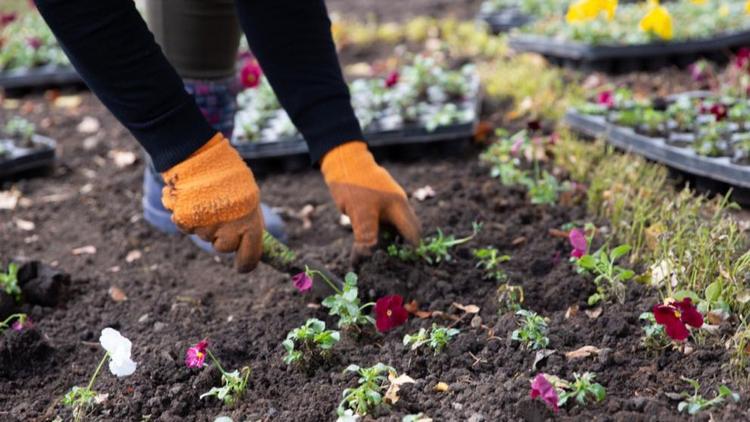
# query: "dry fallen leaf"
{"type": "Point", "coordinates": [413, 308]}
{"type": "Point", "coordinates": [716, 316]}
{"type": "Point", "coordinates": [518, 241]}
{"type": "Point", "coordinates": [305, 214]}
{"type": "Point", "coordinates": [88, 125]}
{"type": "Point", "coordinates": [133, 255]}
{"type": "Point", "coordinates": [423, 193]}
{"type": "Point", "coordinates": [469, 309]}
{"type": "Point", "coordinates": [476, 322]}
{"type": "Point", "coordinates": [542, 355]}
{"type": "Point", "coordinates": [558, 233]}
{"type": "Point", "coordinates": [391, 395]}
{"type": "Point", "coordinates": [85, 250]}
{"type": "Point", "coordinates": [25, 225]}
{"type": "Point", "coordinates": [440, 387]}
{"type": "Point", "coordinates": [594, 313]}
{"type": "Point", "coordinates": [9, 199]}
{"type": "Point", "coordinates": [571, 312]}
{"type": "Point", "coordinates": [117, 294]}
{"type": "Point", "coordinates": [122, 159]}
{"type": "Point", "coordinates": [583, 352]}
{"type": "Point", "coordinates": [68, 101]}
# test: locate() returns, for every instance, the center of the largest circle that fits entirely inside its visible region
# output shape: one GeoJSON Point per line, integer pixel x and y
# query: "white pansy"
{"type": "Point", "coordinates": [119, 349]}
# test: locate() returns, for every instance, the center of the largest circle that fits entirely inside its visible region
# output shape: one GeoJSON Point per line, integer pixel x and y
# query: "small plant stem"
{"type": "Point", "coordinates": [366, 305]}
{"type": "Point", "coordinates": [7, 321]}
{"type": "Point", "coordinates": [216, 361]}
{"type": "Point", "coordinates": [96, 373]}
{"type": "Point", "coordinates": [312, 272]}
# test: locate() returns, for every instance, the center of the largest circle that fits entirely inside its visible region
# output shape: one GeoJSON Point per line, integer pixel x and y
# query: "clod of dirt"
{"type": "Point", "coordinates": [42, 285]}
{"type": "Point", "coordinates": [22, 348]}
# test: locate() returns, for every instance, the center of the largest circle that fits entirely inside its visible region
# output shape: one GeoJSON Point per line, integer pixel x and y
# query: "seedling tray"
{"type": "Point", "coordinates": [18, 160]}
{"type": "Point", "coordinates": [629, 58]}
{"type": "Point", "coordinates": [39, 76]}
{"type": "Point", "coordinates": [656, 149]}
{"type": "Point", "coordinates": [408, 143]}
{"type": "Point", "coordinates": [504, 20]}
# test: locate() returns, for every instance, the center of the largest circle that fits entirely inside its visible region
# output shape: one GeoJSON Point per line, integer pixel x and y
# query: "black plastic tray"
{"type": "Point", "coordinates": [409, 143]}
{"type": "Point", "coordinates": [628, 58]}
{"type": "Point", "coordinates": [21, 160]}
{"type": "Point", "coordinates": [504, 20]}
{"type": "Point", "coordinates": [39, 76]}
{"type": "Point", "coordinates": [656, 149]}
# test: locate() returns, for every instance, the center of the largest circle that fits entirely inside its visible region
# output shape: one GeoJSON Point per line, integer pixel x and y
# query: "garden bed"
{"type": "Point", "coordinates": [38, 77]}
{"type": "Point", "coordinates": [247, 317]}
{"type": "Point", "coordinates": [22, 150]}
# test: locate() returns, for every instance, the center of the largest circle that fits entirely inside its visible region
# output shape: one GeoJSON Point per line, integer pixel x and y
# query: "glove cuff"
{"type": "Point", "coordinates": [212, 186]}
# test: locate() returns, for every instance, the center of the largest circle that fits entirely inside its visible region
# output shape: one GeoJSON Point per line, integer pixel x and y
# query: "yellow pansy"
{"type": "Point", "coordinates": [699, 1]}
{"type": "Point", "coordinates": [747, 7]}
{"type": "Point", "coordinates": [657, 21]}
{"type": "Point", "coordinates": [587, 10]}
{"type": "Point", "coordinates": [724, 10]}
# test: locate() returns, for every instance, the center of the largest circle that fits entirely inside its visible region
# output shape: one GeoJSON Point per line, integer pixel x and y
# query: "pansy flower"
{"type": "Point", "coordinates": [542, 388]}
{"type": "Point", "coordinates": [676, 316]}
{"type": "Point", "coordinates": [302, 282]}
{"type": "Point", "coordinates": [250, 74]}
{"type": "Point", "coordinates": [577, 239]}
{"type": "Point", "coordinates": [392, 79]}
{"type": "Point", "coordinates": [6, 18]}
{"type": "Point", "coordinates": [390, 313]}
{"type": "Point", "coordinates": [606, 98]}
{"type": "Point", "coordinates": [195, 357]}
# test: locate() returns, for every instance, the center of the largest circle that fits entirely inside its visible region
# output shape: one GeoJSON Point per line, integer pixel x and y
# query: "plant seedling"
{"type": "Point", "coordinates": [434, 250]}
{"type": "Point", "coordinates": [583, 386]}
{"type": "Point", "coordinates": [544, 188]}
{"type": "Point", "coordinates": [118, 350]}
{"type": "Point", "coordinates": [21, 130]}
{"type": "Point", "coordinates": [21, 321]}
{"type": "Point", "coordinates": [509, 298]}
{"type": "Point", "coordinates": [532, 332]}
{"type": "Point", "coordinates": [490, 260]}
{"type": "Point", "coordinates": [345, 303]}
{"type": "Point", "coordinates": [653, 121]}
{"type": "Point", "coordinates": [654, 337]}
{"type": "Point", "coordinates": [437, 338]}
{"type": "Point", "coordinates": [603, 264]}
{"type": "Point", "coordinates": [234, 383]}
{"type": "Point", "coordinates": [9, 282]}
{"type": "Point", "coordinates": [368, 394]}
{"type": "Point", "coordinates": [695, 403]}
{"type": "Point", "coordinates": [711, 141]}
{"type": "Point", "coordinates": [310, 339]}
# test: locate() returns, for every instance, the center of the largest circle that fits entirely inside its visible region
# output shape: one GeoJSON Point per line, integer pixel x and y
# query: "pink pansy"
{"type": "Point", "coordinates": [542, 388]}
{"type": "Point", "coordinates": [21, 324]}
{"type": "Point", "coordinates": [392, 79]}
{"type": "Point", "coordinates": [606, 98]}
{"type": "Point", "coordinates": [699, 71]}
{"type": "Point", "coordinates": [195, 356]}
{"type": "Point", "coordinates": [578, 241]}
{"type": "Point", "coordinates": [302, 282]}
{"type": "Point", "coordinates": [251, 74]}
{"type": "Point", "coordinates": [34, 42]}
{"type": "Point", "coordinates": [742, 58]}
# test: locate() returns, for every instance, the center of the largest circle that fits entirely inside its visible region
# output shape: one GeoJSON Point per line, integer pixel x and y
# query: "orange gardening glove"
{"type": "Point", "coordinates": [368, 195]}
{"type": "Point", "coordinates": [214, 195]}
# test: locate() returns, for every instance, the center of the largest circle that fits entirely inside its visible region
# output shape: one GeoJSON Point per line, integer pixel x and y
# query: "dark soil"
{"type": "Point", "coordinates": [177, 295]}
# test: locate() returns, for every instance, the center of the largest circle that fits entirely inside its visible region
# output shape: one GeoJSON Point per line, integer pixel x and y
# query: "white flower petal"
{"type": "Point", "coordinates": [122, 367]}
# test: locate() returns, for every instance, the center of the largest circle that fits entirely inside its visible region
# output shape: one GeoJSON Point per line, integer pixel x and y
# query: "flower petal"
{"type": "Point", "coordinates": [689, 313]}
{"type": "Point", "coordinates": [666, 315]}
{"type": "Point", "coordinates": [540, 387]}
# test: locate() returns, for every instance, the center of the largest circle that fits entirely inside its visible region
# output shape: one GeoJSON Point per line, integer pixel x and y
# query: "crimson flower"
{"type": "Point", "coordinates": [6, 18]}
{"type": "Point", "coordinates": [676, 316]}
{"type": "Point", "coordinates": [606, 98]}
{"type": "Point", "coordinates": [742, 58]}
{"type": "Point", "coordinates": [533, 125]}
{"type": "Point", "coordinates": [196, 355]}
{"type": "Point", "coordinates": [250, 74]}
{"type": "Point", "coordinates": [34, 42]}
{"type": "Point", "coordinates": [392, 79]}
{"type": "Point", "coordinates": [302, 282]}
{"type": "Point", "coordinates": [390, 313]}
{"type": "Point", "coordinates": [718, 110]}
{"type": "Point", "coordinates": [540, 387]}
{"type": "Point", "coordinates": [577, 239]}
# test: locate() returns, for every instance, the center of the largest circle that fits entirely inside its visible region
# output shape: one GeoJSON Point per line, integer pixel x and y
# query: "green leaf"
{"type": "Point", "coordinates": [350, 278]}
{"type": "Point", "coordinates": [288, 345]}
{"type": "Point", "coordinates": [682, 294]}
{"type": "Point", "coordinates": [713, 291]}
{"type": "Point", "coordinates": [619, 252]}
{"type": "Point", "coordinates": [587, 261]}
{"type": "Point", "coordinates": [594, 299]}
{"type": "Point", "coordinates": [599, 392]}
{"type": "Point", "coordinates": [627, 275]}
{"type": "Point", "coordinates": [352, 368]}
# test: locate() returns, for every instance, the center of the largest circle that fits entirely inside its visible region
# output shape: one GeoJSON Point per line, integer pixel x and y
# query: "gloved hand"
{"type": "Point", "coordinates": [213, 194]}
{"type": "Point", "coordinates": [368, 194]}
